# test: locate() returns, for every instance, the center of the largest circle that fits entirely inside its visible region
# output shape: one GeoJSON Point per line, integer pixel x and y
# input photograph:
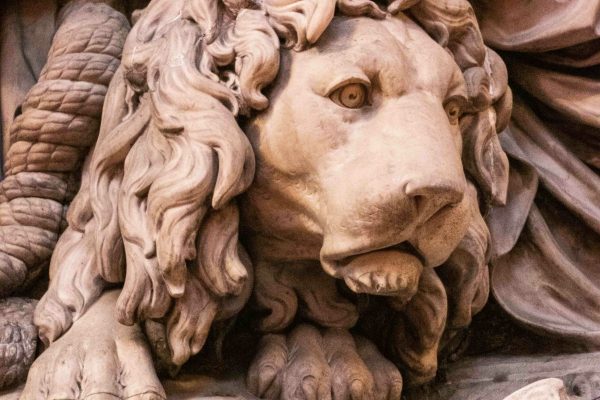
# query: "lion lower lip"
{"type": "Point", "coordinates": [388, 272]}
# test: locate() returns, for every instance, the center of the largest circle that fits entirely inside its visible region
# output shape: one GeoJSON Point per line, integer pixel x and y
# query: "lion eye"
{"type": "Point", "coordinates": [454, 111]}
{"type": "Point", "coordinates": [352, 95]}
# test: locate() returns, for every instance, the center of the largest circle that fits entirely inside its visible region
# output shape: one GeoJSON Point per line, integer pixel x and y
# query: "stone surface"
{"type": "Point", "coordinates": [18, 339]}
{"type": "Point", "coordinates": [474, 378]}
{"type": "Point", "coordinates": [496, 377]}
{"type": "Point", "coordinates": [546, 271]}
{"type": "Point", "coordinates": [327, 179]}
{"type": "Point", "coordinates": [27, 30]}
{"type": "Point", "coordinates": [550, 389]}
{"type": "Point", "coordinates": [341, 200]}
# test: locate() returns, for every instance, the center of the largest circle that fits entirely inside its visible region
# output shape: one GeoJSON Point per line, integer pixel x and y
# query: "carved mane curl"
{"type": "Point", "coordinates": [156, 210]}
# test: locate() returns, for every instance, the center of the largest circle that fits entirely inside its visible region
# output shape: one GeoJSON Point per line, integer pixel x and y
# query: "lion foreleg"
{"type": "Point", "coordinates": [96, 357]}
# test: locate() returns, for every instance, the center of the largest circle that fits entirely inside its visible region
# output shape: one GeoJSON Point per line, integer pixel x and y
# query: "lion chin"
{"type": "Point", "coordinates": [345, 205]}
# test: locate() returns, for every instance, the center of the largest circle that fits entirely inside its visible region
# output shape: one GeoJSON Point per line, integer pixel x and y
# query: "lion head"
{"type": "Point", "coordinates": [373, 133]}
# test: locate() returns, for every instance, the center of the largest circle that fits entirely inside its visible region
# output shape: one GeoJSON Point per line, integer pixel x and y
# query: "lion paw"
{"type": "Point", "coordinates": [96, 359]}
{"type": "Point", "coordinates": [329, 364]}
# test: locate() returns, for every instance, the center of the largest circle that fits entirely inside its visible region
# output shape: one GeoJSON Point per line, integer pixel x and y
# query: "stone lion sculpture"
{"type": "Point", "coordinates": [338, 181]}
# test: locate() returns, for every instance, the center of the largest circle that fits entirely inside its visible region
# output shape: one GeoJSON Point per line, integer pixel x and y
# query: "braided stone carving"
{"type": "Point", "coordinates": [57, 125]}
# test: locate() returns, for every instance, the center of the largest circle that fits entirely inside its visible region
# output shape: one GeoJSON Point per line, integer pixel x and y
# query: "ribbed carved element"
{"type": "Point", "coordinates": [51, 137]}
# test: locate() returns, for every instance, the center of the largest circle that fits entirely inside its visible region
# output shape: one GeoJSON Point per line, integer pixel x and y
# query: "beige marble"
{"type": "Point", "coordinates": [363, 162]}
{"type": "Point", "coordinates": [330, 171]}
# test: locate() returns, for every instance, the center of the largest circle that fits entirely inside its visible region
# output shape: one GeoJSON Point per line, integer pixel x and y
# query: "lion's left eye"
{"type": "Point", "coordinates": [352, 95]}
{"type": "Point", "coordinates": [454, 111]}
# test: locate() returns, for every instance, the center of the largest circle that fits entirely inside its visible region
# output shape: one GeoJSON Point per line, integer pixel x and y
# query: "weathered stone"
{"type": "Point", "coordinates": [320, 186]}
{"type": "Point", "coordinates": [496, 377]}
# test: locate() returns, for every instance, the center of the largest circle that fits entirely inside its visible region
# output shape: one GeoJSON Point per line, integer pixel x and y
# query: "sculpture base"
{"type": "Point", "coordinates": [472, 378]}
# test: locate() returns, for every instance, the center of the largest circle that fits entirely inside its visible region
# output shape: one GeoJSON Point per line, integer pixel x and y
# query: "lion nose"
{"type": "Point", "coordinates": [431, 198]}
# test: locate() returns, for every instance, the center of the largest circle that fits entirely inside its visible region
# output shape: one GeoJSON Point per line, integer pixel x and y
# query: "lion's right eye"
{"type": "Point", "coordinates": [353, 95]}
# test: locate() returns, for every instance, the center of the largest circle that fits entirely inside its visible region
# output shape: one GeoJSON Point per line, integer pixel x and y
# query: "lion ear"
{"type": "Point", "coordinates": [483, 157]}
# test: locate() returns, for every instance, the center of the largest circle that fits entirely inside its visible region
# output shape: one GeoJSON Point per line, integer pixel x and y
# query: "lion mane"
{"type": "Point", "coordinates": [156, 212]}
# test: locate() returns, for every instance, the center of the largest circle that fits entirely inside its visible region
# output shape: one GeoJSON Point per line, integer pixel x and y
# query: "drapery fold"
{"type": "Point", "coordinates": [546, 241]}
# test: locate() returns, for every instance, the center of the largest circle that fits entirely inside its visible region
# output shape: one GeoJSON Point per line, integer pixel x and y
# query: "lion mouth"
{"type": "Point", "coordinates": [392, 271]}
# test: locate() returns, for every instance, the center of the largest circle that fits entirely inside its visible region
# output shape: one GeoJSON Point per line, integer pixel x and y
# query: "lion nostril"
{"type": "Point", "coordinates": [432, 200]}
{"type": "Point", "coordinates": [420, 202]}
